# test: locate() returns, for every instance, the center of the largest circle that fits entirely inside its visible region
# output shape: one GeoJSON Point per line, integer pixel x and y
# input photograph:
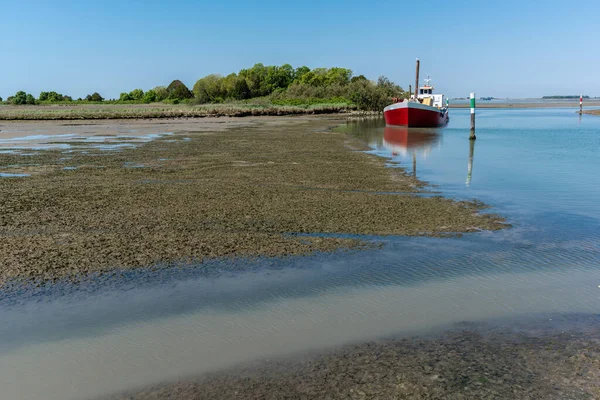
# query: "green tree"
{"type": "Point", "coordinates": [136, 94]}
{"type": "Point", "coordinates": [316, 77]}
{"type": "Point", "coordinates": [389, 88]}
{"type": "Point", "coordinates": [358, 78]}
{"type": "Point", "coordinates": [178, 91]}
{"type": "Point", "coordinates": [54, 97]}
{"type": "Point", "coordinates": [125, 97]}
{"type": "Point", "coordinates": [51, 97]}
{"type": "Point", "coordinates": [149, 96]}
{"type": "Point", "coordinates": [208, 89]}
{"type": "Point", "coordinates": [240, 91]}
{"type": "Point", "coordinates": [277, 78]}
{"type": "Point", "coordinates": [255, 79]}
{"type": "Point", "coordinates": [20, 98]}
{"type": "Point", "coordinates": [368, 96]}
{"type": "Point", "coordinates": [227, 86]}
{"type": "Point", "coordinates": [340, 76]}
{"type": "Point", "coordinates": [161, 93]}
{"type": "Point", "coordinates": [94, 97]}
{"type": "Point", "coordinates": [29, 99]}
{"type": "Point", "coordinates": [300, 72]}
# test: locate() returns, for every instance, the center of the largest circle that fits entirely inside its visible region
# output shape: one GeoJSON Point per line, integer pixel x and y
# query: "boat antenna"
{"type": "Point", "coordinates": [417, 80]}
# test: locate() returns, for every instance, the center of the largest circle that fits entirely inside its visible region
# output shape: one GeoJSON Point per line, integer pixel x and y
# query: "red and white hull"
{"type": "Point", "coordinates": [414, 114]}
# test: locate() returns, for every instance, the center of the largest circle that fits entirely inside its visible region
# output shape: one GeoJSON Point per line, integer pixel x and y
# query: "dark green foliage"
{"type": "Point", "coordinates": [178, 91]}
{"type": "Point", "coordinates": [285, 85]}
{"type": "Point", "coordinates": [271, 84]}
{"type": "Point", "coordinates": [94, 97]}
{"type": "Point", "coordinates": [358, 78]}
{"type": "Point", "coordinates": [299, 73]}
{"type": "Point", "coordinates": [150, 96]}
{"type": "Point", "coordinates": [0, 99]}
{"type": "Point", "coordinates": [241, 91]}
{"type": "Point", "coordinates": [137, 94]}
{"type": "Point", "coordinates": [366, 96]}
{"type": "Point", "coordinates": [210, 89]}
{"type": "Point", "coordinates": [53, 97]}
{"type": "Point", "coordinates": [21, 98]}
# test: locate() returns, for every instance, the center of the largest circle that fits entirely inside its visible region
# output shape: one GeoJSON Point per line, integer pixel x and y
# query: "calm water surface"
{"type": "Point", "coordinates": [539, 168]}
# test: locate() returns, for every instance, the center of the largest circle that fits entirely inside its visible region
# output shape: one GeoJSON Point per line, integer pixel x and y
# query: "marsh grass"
{"type": "Point", "coordinates": [134, 111]}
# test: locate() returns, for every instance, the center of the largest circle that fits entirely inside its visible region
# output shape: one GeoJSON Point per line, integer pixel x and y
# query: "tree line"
{"type": "Point", "coordinates": [279, 85]}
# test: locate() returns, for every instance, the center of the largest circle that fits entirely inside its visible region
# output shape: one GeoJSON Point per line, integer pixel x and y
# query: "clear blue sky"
{"type": "Point", "coordinates": [497, 48]}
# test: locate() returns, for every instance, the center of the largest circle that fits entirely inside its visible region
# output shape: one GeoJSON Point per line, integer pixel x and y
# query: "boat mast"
{"type": "Point", "coordinates": [417, 80]}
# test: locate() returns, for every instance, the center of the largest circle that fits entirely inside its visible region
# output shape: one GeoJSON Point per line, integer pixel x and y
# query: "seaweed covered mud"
{"type": "Point", "coordinates": [97, 196]}
{"type": "Point", "coordinates": [555, 358]}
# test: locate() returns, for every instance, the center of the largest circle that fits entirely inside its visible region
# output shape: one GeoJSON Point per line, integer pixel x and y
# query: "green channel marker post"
{"type": "Point", "coordinates": [472, 137]}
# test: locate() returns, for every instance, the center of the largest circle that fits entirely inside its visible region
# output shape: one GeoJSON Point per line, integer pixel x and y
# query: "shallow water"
{"type": "Point", "coordinates": [12, 175]}
{"type": "Point", "coordinates": [18, 142]}
{"type": "Point", "coordinates": [537, 167]}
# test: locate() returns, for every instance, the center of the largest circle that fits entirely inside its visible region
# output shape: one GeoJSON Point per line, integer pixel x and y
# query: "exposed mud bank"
{"type": "Point", "coordinates": [200, 194]}
{"type": "Point", "coordinates": [555, 358]}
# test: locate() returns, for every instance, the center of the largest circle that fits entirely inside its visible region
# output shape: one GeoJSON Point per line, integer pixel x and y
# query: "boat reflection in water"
{"type": "Point", "coordinates": [403, 141]}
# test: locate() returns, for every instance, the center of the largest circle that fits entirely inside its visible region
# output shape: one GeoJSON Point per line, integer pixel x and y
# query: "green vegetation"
{"type": "Point", "coordinates": [285, 85]}
{"type": "Point", "coordinates": [106, 110]}
{"type": "Point", "coordinates": [260, 86]}
{"type": "Point", "coordinates": [53, 97]}
{"type": "Point", "coordinates": [21, 98]}
{"type": "Point", "coordinates": [178, 91]}
{"type": "Point", "coordinates": [94, 97]}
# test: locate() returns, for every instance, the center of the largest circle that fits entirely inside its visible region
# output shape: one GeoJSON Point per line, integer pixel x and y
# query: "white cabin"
{"type": "Point", "coordinates": [427, 97]}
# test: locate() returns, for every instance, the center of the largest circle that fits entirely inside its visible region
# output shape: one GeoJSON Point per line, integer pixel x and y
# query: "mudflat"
{"type": "Point", "coordinates": [102, 199]}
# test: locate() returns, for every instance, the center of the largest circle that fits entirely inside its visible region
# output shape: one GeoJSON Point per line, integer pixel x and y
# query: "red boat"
{"type": "Point", "coordinates": [423, 110]}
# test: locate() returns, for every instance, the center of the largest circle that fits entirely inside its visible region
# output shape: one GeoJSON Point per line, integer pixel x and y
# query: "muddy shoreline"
{"type": "Point", "coordinates": [211, 189]}
{"type": "Point", "coordinates": [542, 357]}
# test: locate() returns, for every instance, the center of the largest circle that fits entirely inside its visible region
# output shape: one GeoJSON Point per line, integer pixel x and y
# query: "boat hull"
{"type": "Point", "coordinates": [413, 114]}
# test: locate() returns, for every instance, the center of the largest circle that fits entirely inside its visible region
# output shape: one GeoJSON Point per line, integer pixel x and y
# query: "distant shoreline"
{"type": "Point", "coordinates": [592, 112]}
{"type": "Point", "coordinates": [528, 104]}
